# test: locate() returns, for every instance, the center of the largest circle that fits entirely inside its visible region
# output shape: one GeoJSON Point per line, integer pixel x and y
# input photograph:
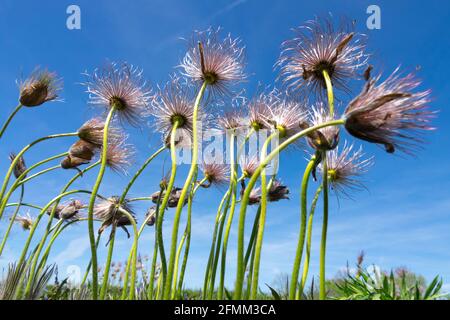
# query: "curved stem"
{"type": "Point", "coordinates": [323, 241]}
{"type": "Point", "coordinates": [176, 221]}
{"type": "Point", "coordinates": [187, 233]}
{"type": "Point", "coordinates": [92, 202]}
{"type": "Point", "coordinates": [113, 233]}
{"type": "Point", "coordinates": [308, 243]}
{"type": "Point", "coordinates": [139, 172]}
{"type": "Point", "coordinates": [162, 209]}
{"type": "Point", "coordinates": [301, 235]}
{"type": "Point", "coordinates": [21, 179]}
{"type": "Point", "coordinates": [23, 204]}
{"type": "Point", "coordinates": [20, 154]}
{"type": "Point", "coordinates": [37, 174]}
{"type": "Point", "coordinates": [33, 229]}
{"type": "Point", "coordinates": [12, 220]}
{"type": "Point", "coordinates": [262, 221]}
{"type": "Point", "coordinates": [5, 125]}
{"type": "Point", "coordinates": [134, 254]}
{"type": "Point", "coordinates": [244, 202]}
{"type": "Point", "coordinates": [48, 229]}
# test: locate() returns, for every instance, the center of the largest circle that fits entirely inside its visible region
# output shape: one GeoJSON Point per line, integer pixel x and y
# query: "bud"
{"type": "Point", "coordinates": [83, 150]}
{"type": "Point", "coordinates": [40, 87]}
{"type": "Point", "coordinates": [70, 162]}
{"type": "Point", "coordinates": [20, 166]}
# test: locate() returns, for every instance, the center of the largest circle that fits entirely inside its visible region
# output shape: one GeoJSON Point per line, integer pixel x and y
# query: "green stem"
{"type": "Point", "coordinates": [329, 91]}
{"type": "Point", "coordinates": [213, 244]}
{"type": "Point", "coordinates": [251, 242]}
{"type": "Point", "coordinates": [113, 233]}
{"type": "Point", "coordinates": [12, 220]}
{"type": "Point", "coordinates": [20, 154]}
{"type": "Point", "coordinates": [20, 180]}
{"type": "Point", "coordinates": [104, 287]}
{"type": "Point", "coordinates": [162, 209]}
{"type": "Point", "coordinates": [233, 190]}
{"type": "Point", "coordinates": [92, 203]}
{"type": "Point", "coordinates": [155, 250]}
{"type": "Point", "coordinates": [23, 204]}
{"type": "Point", "coordinates": [244, 202]}
{"type": "Point", "coordinates": [308, 244]}
{"type": "Point", "coordinates": [187, 233]}
{"type": "Point", "coordinates": [134, 254]}
{"type": "Point", "coordinates": [323, 242]}
{"type": "Point", "coordinates": [89, 266]}
{"type": "Point", "coordinates": [5, 125]}
{"type": "Point", "coordinates": [301, 236]}
{"type": "Point", "coordinates": [139, 172]}
{"type": "Point", "coordinates": [187, 183]}
{"type": "Point", "coordinates": [32, 231]}
{"type": "Point", "coordinates": [216, 254]}
{"type": "Point", "coordinates": [262, 221]}
{"type": "Point", "coordinates": [48, 229]}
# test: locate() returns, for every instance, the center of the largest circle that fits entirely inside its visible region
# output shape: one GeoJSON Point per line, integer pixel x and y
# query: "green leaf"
{"type": "Point", "coordinates": [275, 294]}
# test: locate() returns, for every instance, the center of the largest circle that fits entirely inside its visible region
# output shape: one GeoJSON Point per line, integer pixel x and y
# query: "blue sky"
{"type": "Point", "coordinates": [402, 220]}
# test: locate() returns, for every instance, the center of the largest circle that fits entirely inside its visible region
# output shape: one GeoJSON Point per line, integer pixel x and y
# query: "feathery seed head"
{"type": "Point", "coordinates": [318, 47]}
{"type": "Point", "coordinates": [122, 87]}
{"type": "Point", "coordinates": [215, 173]}
{"type": "Point", "coordinates": [326, 138]}
{"type": "Point", "coordinates": [277, 191]}
{"type": "Point", "coordinates": [26, 222]}
{"type": "Point", "coordinates": [119, 155]}
{"type": "Point", "coordinates": [345, 168]}
{"type": "Point", "coordinates": [390, 113]}
{"type": "Point", "coordinates": [92, 131]}
{"type": "Point", "coordinates": [286, 117]}
{"type": "Point", "coordinates": [110, 211]}
{"type": "Point", "coordinates": [217, 62]}
{"type": "Point", "coordinates": [249, 165]}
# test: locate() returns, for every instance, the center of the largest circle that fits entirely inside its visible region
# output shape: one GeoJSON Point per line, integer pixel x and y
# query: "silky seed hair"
{"type": "Point", "coordinates": [216, 174]}
{"type": "Point", "coordinates": [391, 113]}
{"type": "Point", "coordinates": [92, 131]}
{"type": "Point", "coordinates": [319, 46]}
{"type": "Point", "coordinates": [121, 86]}
{"type": "Point", "coordinates": [345, 168]}
{"type": "Point", "coordinates": [119, 155]}
{"type": "Point", "coordinates": [219, 62]}
{"type": "Point", "coordinates": [286, 117]}
{"type": "Point", "coordinates": [174, 102]}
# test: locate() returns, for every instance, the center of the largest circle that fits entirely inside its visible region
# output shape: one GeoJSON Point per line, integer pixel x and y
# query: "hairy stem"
{"type": "Point", "coordinates": [95, 189]}
{"type": "Point", "coordinates": [244, 202]}
{"type": "Point", "coordinates": [5, 125]}
{"type": "Point", "coordinates": [308, 244]}
{"type": "Point", "coordinates": [323, 241]}
{"type": "Point", "coordinates": [192, 170]}
{"type": "Point", "coordinates": [301, 236]}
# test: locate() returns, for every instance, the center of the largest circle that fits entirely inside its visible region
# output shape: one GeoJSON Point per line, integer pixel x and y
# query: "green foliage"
{"type": "Point", "coordinates": [381, 286]}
